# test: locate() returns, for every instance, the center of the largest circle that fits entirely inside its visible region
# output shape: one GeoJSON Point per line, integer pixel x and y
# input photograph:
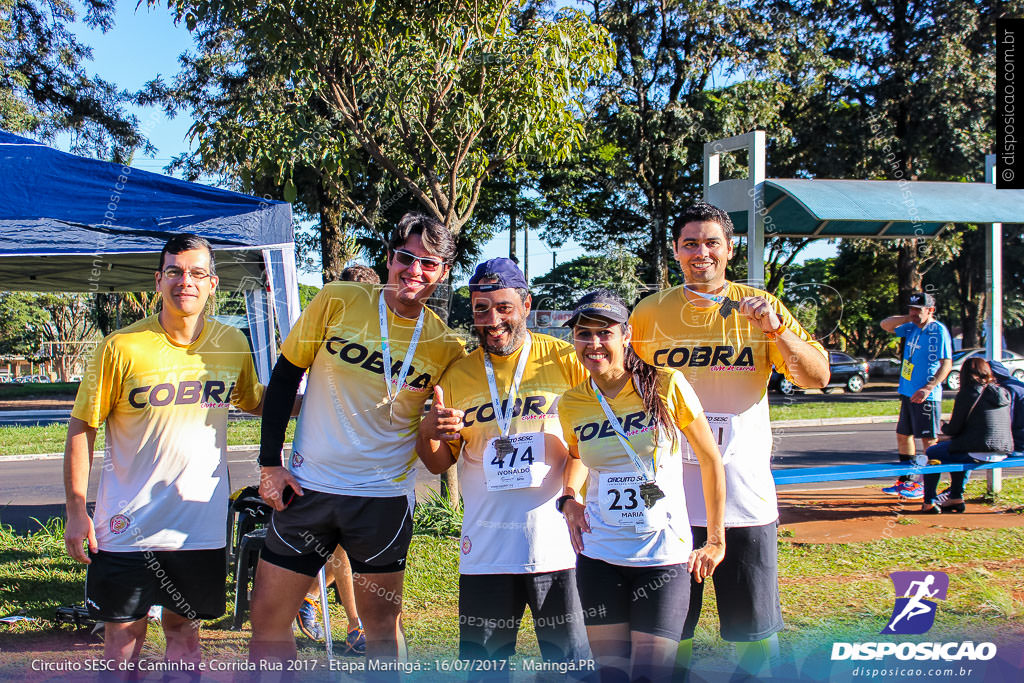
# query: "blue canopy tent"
{"type": "Point", "coordinates": [72, 224]}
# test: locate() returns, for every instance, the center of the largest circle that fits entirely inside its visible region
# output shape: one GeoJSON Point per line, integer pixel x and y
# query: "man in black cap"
{"type": "Point", "coordinates": [495, 412]}
{"type": "Point", "coordinates": [927, 359]}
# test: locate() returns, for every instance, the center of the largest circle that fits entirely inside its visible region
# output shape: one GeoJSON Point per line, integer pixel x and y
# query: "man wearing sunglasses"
{"type": "Point", "coordinates": [373, 354]}
{"type": "Point", "coordinates": [163, 387]}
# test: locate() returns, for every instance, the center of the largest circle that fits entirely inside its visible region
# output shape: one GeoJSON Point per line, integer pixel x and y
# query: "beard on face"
{"type": "Point", "coordinates": [517, 333]}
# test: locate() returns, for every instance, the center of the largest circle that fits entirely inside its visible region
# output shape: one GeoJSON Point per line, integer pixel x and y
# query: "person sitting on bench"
{"type": "Point", "coordinates": [978, 431]}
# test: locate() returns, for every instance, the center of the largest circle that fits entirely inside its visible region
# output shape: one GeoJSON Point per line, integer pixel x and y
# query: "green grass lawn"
{"type": "Point", "coordinates": [50, 439]}
{"type": "Point", "coordinates": [819, 410]}
{"type": "Point", "coordinates": [829, 592]}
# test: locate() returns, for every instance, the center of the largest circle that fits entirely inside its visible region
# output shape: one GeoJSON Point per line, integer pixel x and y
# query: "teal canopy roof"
{"type": "Point", "coordinates": [877, 208]}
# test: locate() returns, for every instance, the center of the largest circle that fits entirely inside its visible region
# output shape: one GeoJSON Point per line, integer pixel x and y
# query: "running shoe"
{"type": "Point", "coordinates": [355, 642]}
{"type": "Point", "coordinates": [308, 619]}
{"type": "Point", "coordinates": [895, 489]}
{"type": "Point", "coordinates": [912, 490]}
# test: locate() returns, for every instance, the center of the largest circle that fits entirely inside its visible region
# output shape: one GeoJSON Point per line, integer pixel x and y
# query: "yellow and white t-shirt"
{"type": "Point", "coordinates": [728, 361]}
{"type": "Point", "coordinates": [345, 442]}
{"type": "Point", "coordinates": [510, 524]}
{"type": "Point", "coordinates": [164, 483]}
{"type": "Point", "coordinates": [613, 481]}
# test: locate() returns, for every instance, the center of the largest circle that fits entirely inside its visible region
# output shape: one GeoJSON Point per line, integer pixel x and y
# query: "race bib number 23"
{"type": "Point", "coordinates": [622, 504]}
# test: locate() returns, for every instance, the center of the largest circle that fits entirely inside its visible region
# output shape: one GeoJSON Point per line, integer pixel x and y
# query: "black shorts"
{"type": "Point", "coordinates": [491, 608]}
{"type": "Point", "coordinates": [920, 420]}
{"type": "Point", "coordinates": [650, 599]}
{"type": "Point", "coordinates": [746, 584]}
{"type": "Point", "coordinates": [121, 587]}
{"type": "Point", "coordinates": [375, 532]}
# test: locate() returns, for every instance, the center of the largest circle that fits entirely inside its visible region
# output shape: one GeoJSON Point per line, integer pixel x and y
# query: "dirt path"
{"type": "Point", "coordinates": [867, 514]}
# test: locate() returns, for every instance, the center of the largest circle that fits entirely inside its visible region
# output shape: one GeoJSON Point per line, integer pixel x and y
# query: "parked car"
{"type": "Point", "coordinates": [847, 372]}
{"type": "Point", "coordinates": [32, 379]}
{"type": "Point", "coordinates": [1013, 361]}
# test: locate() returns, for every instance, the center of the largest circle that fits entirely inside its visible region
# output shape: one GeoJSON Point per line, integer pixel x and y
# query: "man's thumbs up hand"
{"type": "Point", "coordinates": [441, 424]}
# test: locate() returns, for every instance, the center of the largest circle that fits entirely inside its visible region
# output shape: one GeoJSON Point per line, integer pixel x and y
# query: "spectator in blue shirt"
{"type": "Point", "coordinates": [927, 359]}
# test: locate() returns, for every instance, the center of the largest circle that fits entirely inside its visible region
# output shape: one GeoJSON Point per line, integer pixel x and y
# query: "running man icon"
{"type": "Point", "coordinates": [914, 609]}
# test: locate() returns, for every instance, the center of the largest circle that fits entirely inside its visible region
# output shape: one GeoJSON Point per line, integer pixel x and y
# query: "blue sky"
{"type": "Point", "coordinates": [145, 43]}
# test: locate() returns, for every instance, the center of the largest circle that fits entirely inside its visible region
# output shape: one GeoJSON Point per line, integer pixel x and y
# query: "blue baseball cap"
{"type": "Point", "coordinates": [503, 271]}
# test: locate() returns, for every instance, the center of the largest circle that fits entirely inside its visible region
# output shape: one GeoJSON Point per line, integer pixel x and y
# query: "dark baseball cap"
{"type": "Point", "coordinates": [922, 299]}
{"type": "Point", "coordinates": [599, 305]}
{"type": "Point", "coordinates": [503, 271]}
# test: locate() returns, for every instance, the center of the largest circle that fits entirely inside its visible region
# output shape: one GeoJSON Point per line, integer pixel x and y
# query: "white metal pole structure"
{"type": "Point", "coordinates": [328, 638]}
{"type": "Point", "coordinates": [994, 295]}
{"type": "Point", "coordinates": [743, 194]}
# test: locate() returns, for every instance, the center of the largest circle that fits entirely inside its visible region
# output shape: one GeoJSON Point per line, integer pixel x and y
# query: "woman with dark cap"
{"type": "Point", "coordinates": [977, 431]}
{"type": "Point", "coordinates": [625, 428]}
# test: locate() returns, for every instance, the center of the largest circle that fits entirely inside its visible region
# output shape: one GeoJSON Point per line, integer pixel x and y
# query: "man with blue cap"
{"type": "Point", "coordinates": [495, 412]}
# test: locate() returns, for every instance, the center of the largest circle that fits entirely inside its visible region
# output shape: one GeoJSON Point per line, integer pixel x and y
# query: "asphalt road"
{"type": "Point", "coordinates": [880, 392]}
{"type": "Point", "coordinates": [29, 418]}
{"type": "Point", "coordinates": [34, 488]}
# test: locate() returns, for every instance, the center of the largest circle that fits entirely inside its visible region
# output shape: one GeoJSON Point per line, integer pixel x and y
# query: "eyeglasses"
{"type": "Point", "coordinates": [176, 273]}
{"type": "Point", "coordinates": [428, 264]}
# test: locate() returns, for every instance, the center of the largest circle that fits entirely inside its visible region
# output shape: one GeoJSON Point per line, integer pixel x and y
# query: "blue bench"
{"type": "Point", "coordinates": [808, 475]}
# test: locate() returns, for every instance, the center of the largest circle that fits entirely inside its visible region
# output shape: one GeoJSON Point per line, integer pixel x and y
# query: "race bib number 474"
{"type": "Point", "coordinates": [524, 467]}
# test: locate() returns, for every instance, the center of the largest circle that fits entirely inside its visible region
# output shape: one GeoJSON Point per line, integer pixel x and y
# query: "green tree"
{"type": "Point", "coordinates": [834, 301]}
{"type": "Point", "coordinates": [911, 100]}
{"type": "Point", "coordinates": [392, 99]}
{"type": "Point", "coordinates": [687, 72]}
{"type": "Point", "coordinates": [21, 324]}
{"type": "Point", "coordinates": [45, 88]}
{"type": "Point", "coordinates": [563, 285]}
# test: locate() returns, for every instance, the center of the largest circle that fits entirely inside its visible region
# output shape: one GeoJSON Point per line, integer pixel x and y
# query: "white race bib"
{"type": "Point", "coordinates": [524, 468]}
{"type": "Point", "coordinates": [722, 429]}
{"type": "Point", "coordinates": [622, 505]}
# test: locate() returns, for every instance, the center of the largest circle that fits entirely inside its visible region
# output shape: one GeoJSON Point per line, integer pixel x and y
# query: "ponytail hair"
{"type": "Point", "coordinates": [606, 305]}
{"type": "Point", "coordinates": [645, 382]}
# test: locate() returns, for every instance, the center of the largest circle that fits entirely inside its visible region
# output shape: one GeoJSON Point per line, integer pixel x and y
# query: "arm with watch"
{"type": "Point", "coordinates": [808, 367]}
{"type": "Point", "coordinates": [573, 478]}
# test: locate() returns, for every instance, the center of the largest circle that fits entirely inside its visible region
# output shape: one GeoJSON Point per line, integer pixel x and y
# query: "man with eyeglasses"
{"type": "Point", "coordinates": [163, 387]}
{"type": "Point", "coordinates": [374, 354]}
{"type": "Point", "coordinates": [515, 548]}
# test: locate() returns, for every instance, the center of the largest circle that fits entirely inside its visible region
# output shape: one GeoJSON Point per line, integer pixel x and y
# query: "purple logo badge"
{"type": "Point", "coordinates": [914, 611]}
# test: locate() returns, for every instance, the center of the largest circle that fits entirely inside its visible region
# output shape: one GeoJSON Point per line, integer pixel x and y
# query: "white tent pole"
{"type": "Point", "coordinates": [994, 292]}
{"type": "Point", "coordinates": [746, 195]}
{"type": "Point", "coordinates": [755, 214]}
{"type": "Point", "coordinates": [260, 317]}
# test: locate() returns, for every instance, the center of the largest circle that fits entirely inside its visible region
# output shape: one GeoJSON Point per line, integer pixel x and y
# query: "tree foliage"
{"type": "Point", "coordinates": [563, 285]}
{"type": "Point", "coordinates": [386, 103]}
{"type": "Point", "coordinates": [841, 305]}
{"type": "Point", "coordinates": [687, 72]}
{"type": "Point", "coordinates": [21, 324]}
{"type": "Point", "coordinates": [45, 88]}
{"type": "Point", "coordinates": [909, 99]}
